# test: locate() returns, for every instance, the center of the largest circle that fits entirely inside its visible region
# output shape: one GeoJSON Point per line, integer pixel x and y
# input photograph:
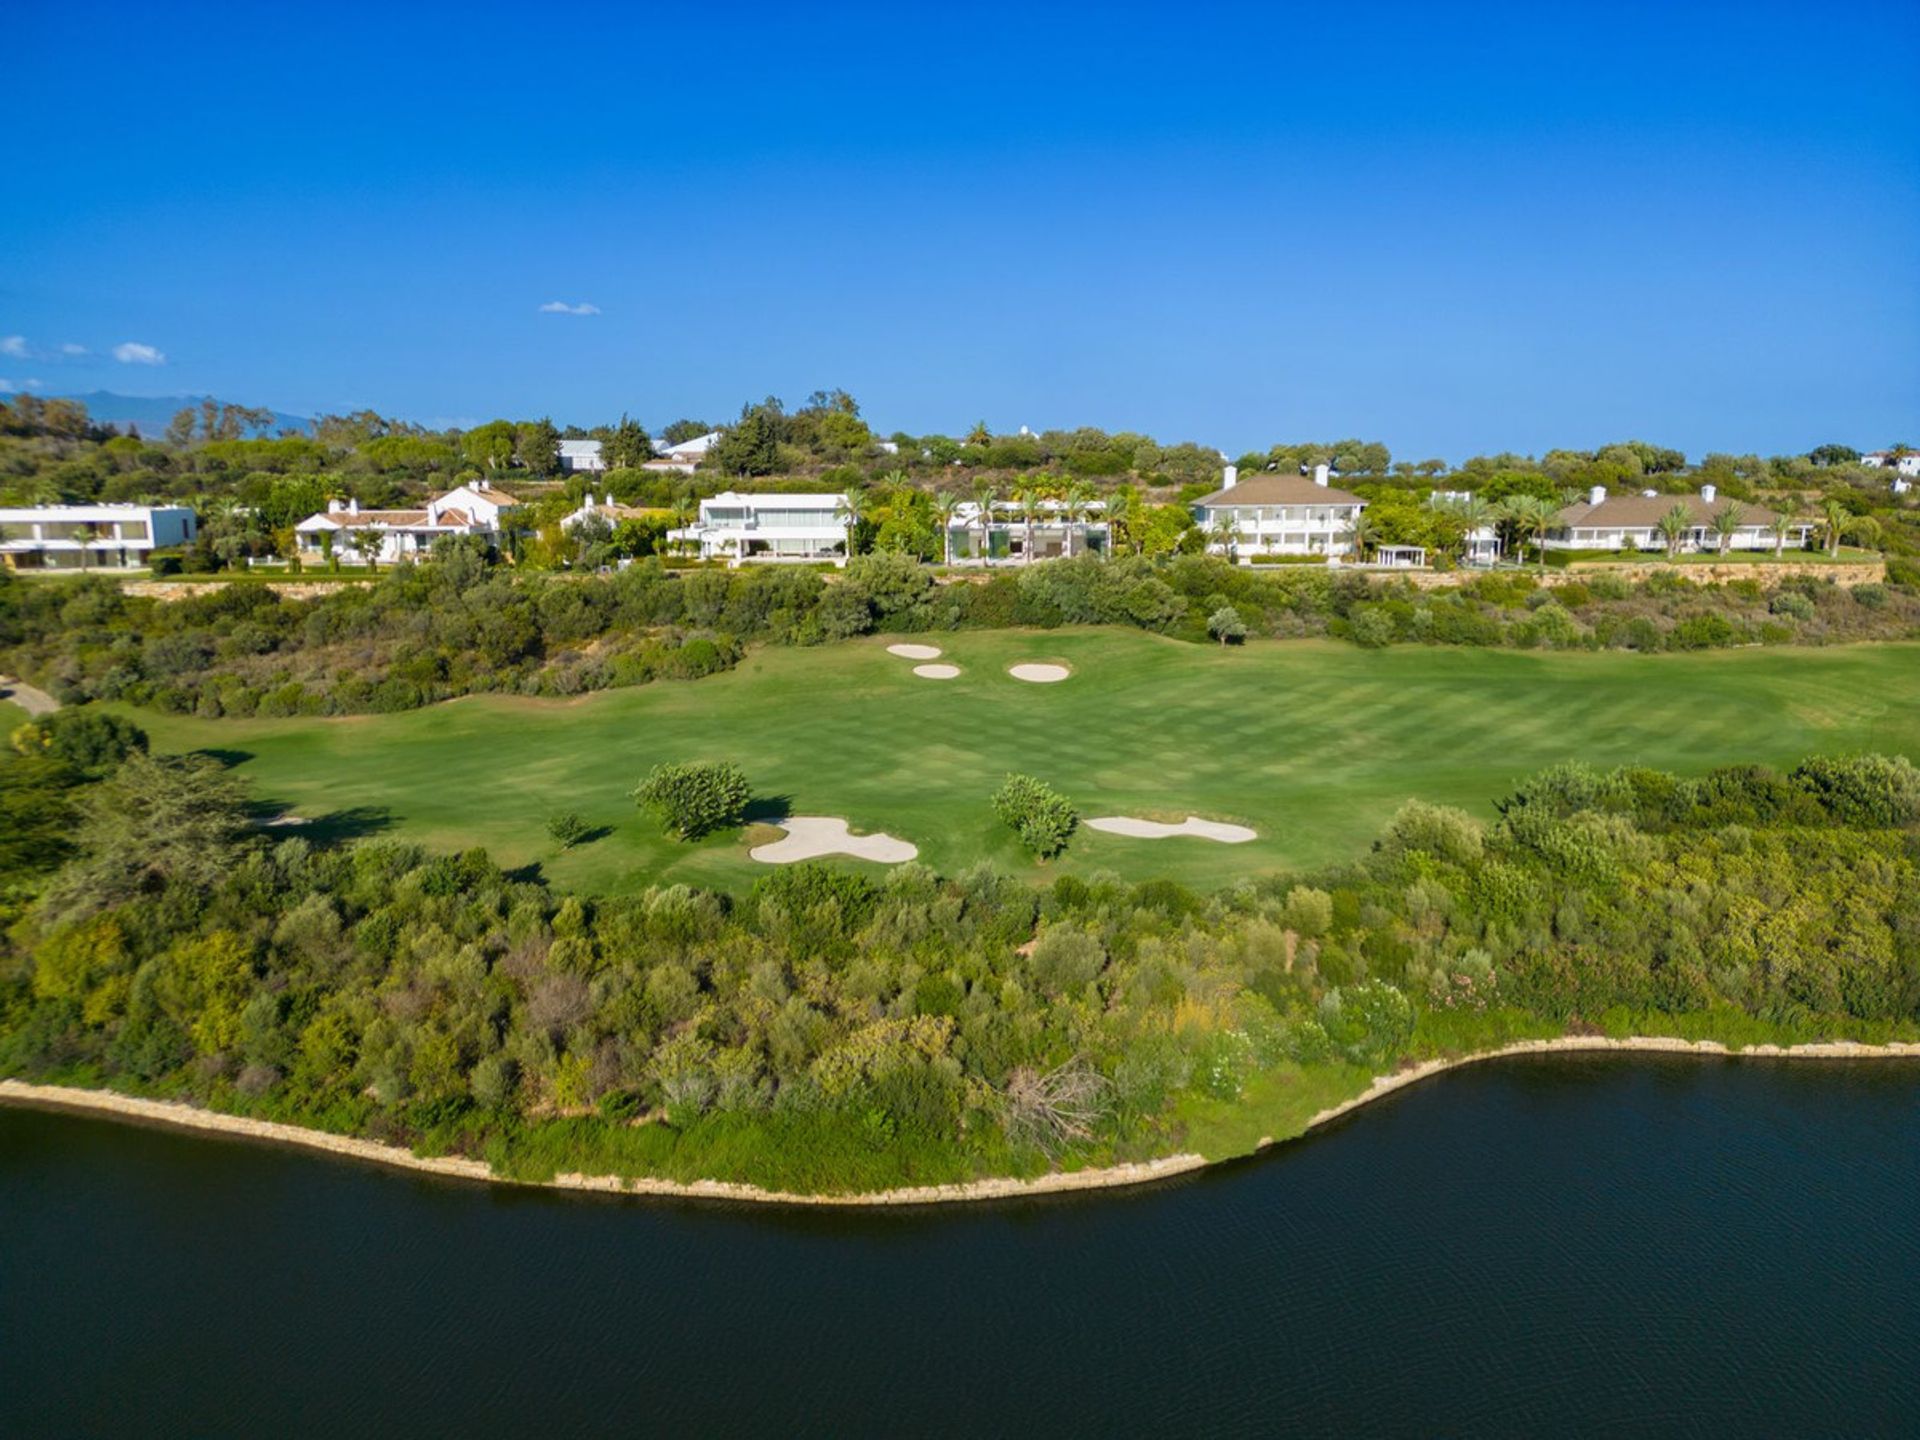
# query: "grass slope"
{"type": "Point", "coordinates": [1313, 744]}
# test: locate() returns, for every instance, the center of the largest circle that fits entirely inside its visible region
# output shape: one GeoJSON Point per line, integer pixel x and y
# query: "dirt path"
{"type": "Point", "coordinates": [34, 701]}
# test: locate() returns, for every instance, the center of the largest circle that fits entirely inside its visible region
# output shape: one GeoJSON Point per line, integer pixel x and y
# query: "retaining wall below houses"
{"type": "Point", "coordinates": [1767, 572]}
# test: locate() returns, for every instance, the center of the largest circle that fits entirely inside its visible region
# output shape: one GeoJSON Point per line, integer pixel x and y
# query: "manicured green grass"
{"type": "Point", "coordinates": [11, 718]}
{"type": "Point", "coordinates": [1313, 744]}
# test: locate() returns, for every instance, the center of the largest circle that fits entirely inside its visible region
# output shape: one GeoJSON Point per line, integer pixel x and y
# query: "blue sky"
{"type": "Point", "coordinates": [1456, 229]}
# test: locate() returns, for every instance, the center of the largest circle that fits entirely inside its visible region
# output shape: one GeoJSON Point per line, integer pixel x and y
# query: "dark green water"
{"type": "Point", "coordinates": [1541, 1247]}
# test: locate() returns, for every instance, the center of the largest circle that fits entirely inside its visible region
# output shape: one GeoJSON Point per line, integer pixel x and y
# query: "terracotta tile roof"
{"type": "Point", "coordinates": [1280, 490]}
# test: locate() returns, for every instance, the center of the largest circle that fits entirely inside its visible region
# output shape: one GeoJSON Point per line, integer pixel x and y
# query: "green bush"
{"type": "Point", "coordinates": [695, 798]}
{"type": "Point", "coordinates": [1042, 817]}
{"type": "Point", "coordinates": [567, 828]}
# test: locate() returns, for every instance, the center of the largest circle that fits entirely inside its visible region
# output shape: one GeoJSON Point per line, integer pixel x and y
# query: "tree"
{"type": "Point", "coordinates": [1226, 626]}
{"type": "Point", "coordinates": [1783, 527]}
{"type": "Point", "coordinates": [1531, 517]}
{"type": "Point", "coordinates": [681, 431]}
{"type": "Point", "coordinates": [91, 740]}
{"type": "Point", "coordinates": [538, 444]}
{"type": "Point", "coordinates": [1835, 520]}
{"type": "Point", "coordinates": [750, 447]}
{"type": "Point", "coordinates": [985, 495]}
{"type": "Point", "coordinates": [1078, 497]}
{"type": "Point", "coordinates": [1027, 497]}
{"type": "Point", "coordinates": [1043, 818]}
{"type": "Point", "coordinates": [628, 447]}
{"type": "Point", "coordinates": [1674, 526]}
{"type": "Point", "coordinates": [1726, 524]}
{"type": "Point", "coordinates": [945, 506]}
{"type": "Point", "coordinates": [489, 446]}
{"type": "Point", "coordinates": [695, 798]}
{"type": "Point", "coordinates": [1361, 534]}
{"type": "Point", "coordinates": [175, 820]}
{"type": "Point", "coordinates": [567, 828]}
{"type": "Point", "coordinates": [1825, 455]}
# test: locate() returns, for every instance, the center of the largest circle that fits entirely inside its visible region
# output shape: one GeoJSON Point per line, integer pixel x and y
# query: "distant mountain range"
{"type": "Point", "coordinates": [150, 413]}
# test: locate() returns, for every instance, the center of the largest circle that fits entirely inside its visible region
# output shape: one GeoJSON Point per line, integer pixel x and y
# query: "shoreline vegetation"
{"type": "Point", "coordinates": [176, 1115]}
{"type": "Point", "coordinates": [926, 1032]}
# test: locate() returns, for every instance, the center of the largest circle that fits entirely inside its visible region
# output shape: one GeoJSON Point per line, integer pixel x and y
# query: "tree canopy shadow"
{"type": "Point", "coordinates": [227, 758]}
{"type": "Point", "coordinates": [768, 809]}
{"type": "Point", "coordinates": [356, 822]}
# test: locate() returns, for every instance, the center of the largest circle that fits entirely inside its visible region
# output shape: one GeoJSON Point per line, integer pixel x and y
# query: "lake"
{"type": "Point", "coordinates": [1553, 1245]}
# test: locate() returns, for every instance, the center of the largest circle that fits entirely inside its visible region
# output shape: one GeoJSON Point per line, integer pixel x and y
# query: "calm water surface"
{"type": "Point", "coordinates": [1553, 1246]}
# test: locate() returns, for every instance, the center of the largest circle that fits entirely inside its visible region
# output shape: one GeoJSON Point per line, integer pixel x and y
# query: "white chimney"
{"type": "Point", "coordinates": [353, 506]}
{"type": "Point", "coordinates": [1597, 495]}
{"type": "Point", "coordinates": [1230, 477]}
{"type": "Point", "coordinates": [1707, 493]}
{"type": "Point", "coordinates": [1321, 472]}
{"type": "Point", "coordinates": [335, 505]}
{"type": "Point", "coordinates": [608, 502]}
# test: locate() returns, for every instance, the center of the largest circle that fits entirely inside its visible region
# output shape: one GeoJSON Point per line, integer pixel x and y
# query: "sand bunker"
{"type": "Point", "coordinates": [1158, 830]}
{"type": "Point", "coordinates": [936, 672]}
{"type": "Point", "coordinates": [1039, 674]}
{"type": "Point", "coordinates": [811, 836]}
{"type": "Point", "coordinates": [915, 652]}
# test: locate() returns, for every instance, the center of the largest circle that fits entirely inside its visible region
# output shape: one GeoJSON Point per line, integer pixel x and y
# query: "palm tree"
{"type": "Point", "coordinates": [945, 506]}
{"type": "Point", "coordinates": [1122, 505]}
{"type": "Point", "coordinates": [1864, 529]}
{"type": "Point", "coordinates": [1361, 532]}
{"type": "Point", "coordinates": [853, 507]}
{"type": "Point", "coordinates": [1727, 523]}
{"type": "Point", "coordinates": [1835, 521]}
{"type": "Point", "coordinates": [1473, 514]}
{"type": "Point", "coordinates": [1075, 508]}
{"type": "Point", "coordinates": [1783, 527]}
{"type": "Point", "coordinates": [985, 495]}
{"type": "Point", "coordinates": [1673, 527]}
{"type": "Point", "coordinates": [1028, 499]}
{"type": "Point", "coordinates": [1531, 518]}
{"type": "Point", "coordinates": [1226, 524]}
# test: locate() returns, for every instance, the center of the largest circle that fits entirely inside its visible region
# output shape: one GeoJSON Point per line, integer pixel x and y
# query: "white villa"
{"type": "Point", "coordinates": [1632, 522]}
{"type": "Point", "coordinates": [747, 529]}
{"type": "Point", "coordinates": [1056, 529]}
{"type": "Point", "coordinates": [582, 455]}
{"type": "Point", "coordinates": [90, 537]}
{"type": "Point", "coordinates": [1278, 515]}
{"type": "Point", "coordinates": [1904, 462]}
{"type": "Point", "coordinates": [389, 535]}
{"type": "Point", "coordinates": [681, 459]}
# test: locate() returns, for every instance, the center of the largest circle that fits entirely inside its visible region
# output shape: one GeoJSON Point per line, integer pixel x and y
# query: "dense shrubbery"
{"type": "Point", "coordinates": [829, 1030]}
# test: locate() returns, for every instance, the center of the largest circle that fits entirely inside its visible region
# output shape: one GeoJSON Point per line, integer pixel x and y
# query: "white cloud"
{"type": "Point", "coordinates": [73, 351]}
{"type": "Point", "coordinates": [131, 352]}
{"type": "Point", "coordinates": [32, 383]}
{"type": "Point", "coordinates": [561, 307]}
{"type": "Point", "coordinates": [15, 345]}
{"type": "Point", "coordinates": [6, 386]}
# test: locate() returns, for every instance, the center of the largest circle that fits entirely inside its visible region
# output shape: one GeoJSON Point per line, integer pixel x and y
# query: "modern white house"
{"type": "Point", "coordinates": [749, 529]}
{"type": "Point", "coordinates": [577, 456]}
{"type": "Point", "coordinates": [682, 459]}
{"type": "Point", "coordinates": [357, 535]}
{"type": "Point", "coordinates": [1008, 533]}
{"type": "Point", "coordinates": [1906, 462]}
{"type": "Point", "coordinates": [1278, 515]}
{"type": "Point", "coordinates": [91, 537]}
{"type": "Point", "coordinates": [1632, 522]}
